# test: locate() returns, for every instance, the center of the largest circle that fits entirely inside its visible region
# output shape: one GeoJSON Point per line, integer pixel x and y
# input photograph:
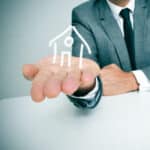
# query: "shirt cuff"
{"type": "Point", "coordinates": [91, 94]}
{"type": "Point", "coordinates": [143, 81]}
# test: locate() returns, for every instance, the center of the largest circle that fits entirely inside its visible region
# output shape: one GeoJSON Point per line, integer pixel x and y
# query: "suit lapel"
{"type": "Point", "coordinates": [140, 30]}
{"type": "Point", "coordinates": [112, 29]}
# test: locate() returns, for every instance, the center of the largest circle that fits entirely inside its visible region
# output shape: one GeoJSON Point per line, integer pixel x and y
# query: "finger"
{"type": "Point", "coordinates": [38, 86]}
{"type": "Point", "coordinates": [53, 84]}
{"type": "Point", "coordinates": [29, 71]}
{"type": "Point", "coordinates": [72, 82]}
{"type": "Point", "coordinates": [87, 79]}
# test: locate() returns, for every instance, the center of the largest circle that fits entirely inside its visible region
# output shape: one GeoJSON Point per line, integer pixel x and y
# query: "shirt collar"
{"type": "Point", "coordinates": [117, 9]}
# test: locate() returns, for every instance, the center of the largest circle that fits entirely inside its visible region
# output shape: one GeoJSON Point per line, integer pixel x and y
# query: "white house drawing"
{"type": "Point", "coordinates": [68, 42]}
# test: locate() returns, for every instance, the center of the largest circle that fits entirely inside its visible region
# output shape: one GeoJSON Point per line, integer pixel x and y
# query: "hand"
{"type": "Point", "coordinates": [115, 81]}
{"type": "Point", "coordinates": [49, 79]}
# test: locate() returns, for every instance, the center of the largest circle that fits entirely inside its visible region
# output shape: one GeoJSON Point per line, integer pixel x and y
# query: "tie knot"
{"type": "Point", "coordinates": [124, 13]}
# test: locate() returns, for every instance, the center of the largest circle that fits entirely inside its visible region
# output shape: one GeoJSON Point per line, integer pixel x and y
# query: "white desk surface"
{"type": "Point", "coordinates": [118, 123]}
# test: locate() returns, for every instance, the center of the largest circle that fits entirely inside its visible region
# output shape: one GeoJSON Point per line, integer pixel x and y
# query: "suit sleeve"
{"type": "Point", "coordinates": [146, 71]}
{"type": "Point", "coordinates": [84, 30]}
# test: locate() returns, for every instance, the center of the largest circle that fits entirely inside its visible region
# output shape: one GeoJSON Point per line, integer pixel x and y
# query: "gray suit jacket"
{"type": "Point", "coordinates": [95, 22]}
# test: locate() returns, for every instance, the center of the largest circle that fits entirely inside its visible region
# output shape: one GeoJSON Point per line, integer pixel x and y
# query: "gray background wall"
{"type": "Point", "coordinates": [26, 26]}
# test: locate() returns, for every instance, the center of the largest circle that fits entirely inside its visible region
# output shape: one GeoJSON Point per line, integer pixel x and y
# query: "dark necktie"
{"type": "Point", "coordinates": [128, 35]}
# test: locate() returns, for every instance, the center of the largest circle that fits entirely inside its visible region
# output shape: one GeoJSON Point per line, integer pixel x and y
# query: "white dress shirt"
{"type": "Point", "coordinates": [143, 81]}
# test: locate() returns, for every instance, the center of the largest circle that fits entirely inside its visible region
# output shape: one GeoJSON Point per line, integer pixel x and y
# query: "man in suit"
{"type": "Point", "coordinates": [118, 32]}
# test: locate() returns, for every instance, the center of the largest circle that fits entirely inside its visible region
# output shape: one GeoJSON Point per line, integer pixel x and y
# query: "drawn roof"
{"type": "Point", "coordinates": [67, 30]}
